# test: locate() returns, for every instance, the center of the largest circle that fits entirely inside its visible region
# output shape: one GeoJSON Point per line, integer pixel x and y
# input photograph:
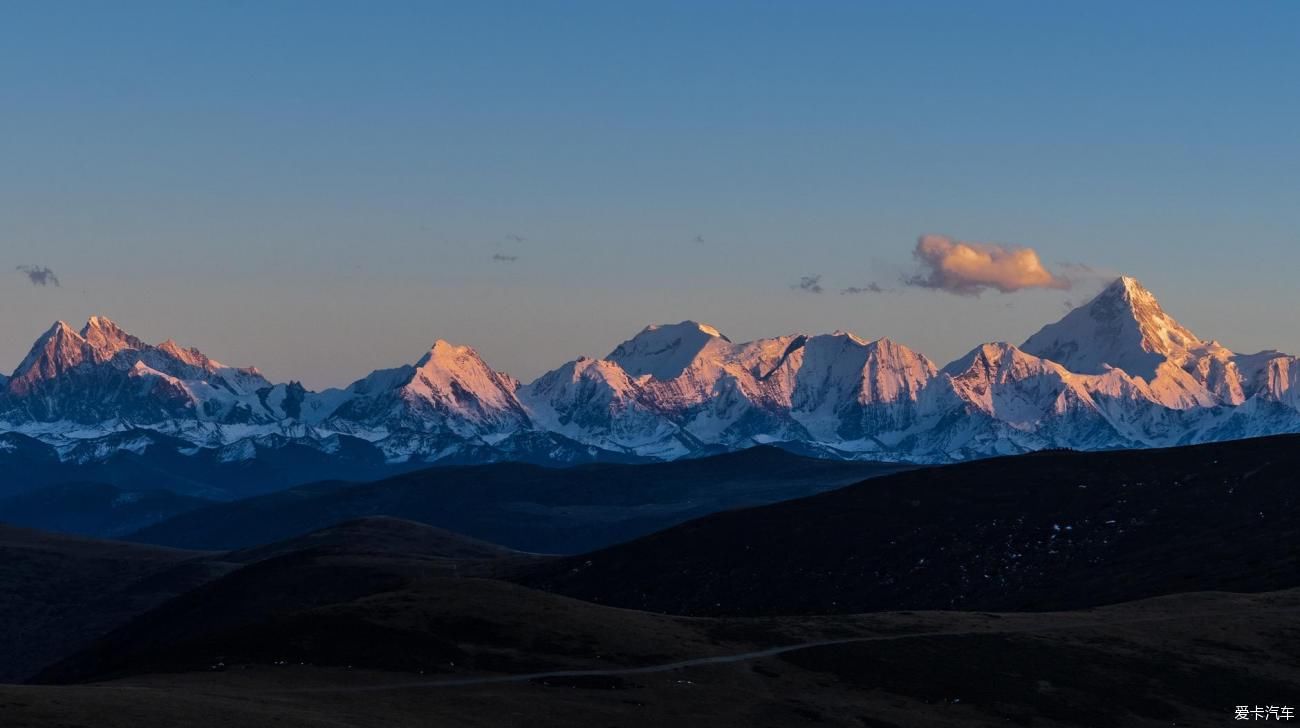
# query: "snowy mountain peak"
{"type": "Point", "coordinates": [705, 328]}
{"type": "Point", "coordinates": [850, 336]}
{"type": "Point", "coordinates": [58, 331]}
{"type": "Point", "coordinates": [57, 350]}
{"type": "Point", "coordinates": [996, 356]}
{"type": "Point", "coordinates": [445, 351]}
{"type": "Point", "coordinates": [885, 353]}
{"type": "Point", "coordinates": [1122, 327]}
{"type": "Point", "coordinates": [103, 374]}
{"type": "Point", "coordinates": [190, 356]}
{"type": "Point", "coordinates": [1115, 372]}
{"type": "Point", "coordinates": [448, 361]}
{"type": "Point", "coordinates": [684, 328]}
{"type": "Point", "coordinates": [101, 323]}
{"type": "Point", "coordinates": [665, 351]}
{"type": "Point", "coordinates": [1129, 286]}
{"type": "Point", "coordinates": [106, 338]}
{"type": "Point", "coordinates": [894, 348]}
{"type": "Point", "coordinates": [62, 348]}
{"type": "Point", "coordinates": [455, 379]}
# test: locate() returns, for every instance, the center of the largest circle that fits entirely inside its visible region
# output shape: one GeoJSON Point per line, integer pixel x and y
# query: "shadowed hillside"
{"type": "Point", "coordinates": [1053, 530]}
{"type": "Point", "coordinates": [94, 509]}
{"type": "Point", "coordinates": [524, 507]}
{"type": "Point", "coordinates": [59, 592]}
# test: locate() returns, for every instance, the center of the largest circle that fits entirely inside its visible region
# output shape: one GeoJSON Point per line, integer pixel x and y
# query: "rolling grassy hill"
{"type": "Point", "coordinates": [524, 507]}
{"type": "Point", "coordinates": [1052, 530]}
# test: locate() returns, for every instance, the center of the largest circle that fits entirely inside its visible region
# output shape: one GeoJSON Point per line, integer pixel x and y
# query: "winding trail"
{"type": "Point", "coordinates": [732, 658]}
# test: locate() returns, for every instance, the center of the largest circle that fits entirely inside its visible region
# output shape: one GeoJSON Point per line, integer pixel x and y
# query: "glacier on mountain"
{"type": "Point", "coordinates": [1117, 372]}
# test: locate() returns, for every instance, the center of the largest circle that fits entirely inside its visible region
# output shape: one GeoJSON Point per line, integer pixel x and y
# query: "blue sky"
{"type": "Point", "coordinates": [319, 188]}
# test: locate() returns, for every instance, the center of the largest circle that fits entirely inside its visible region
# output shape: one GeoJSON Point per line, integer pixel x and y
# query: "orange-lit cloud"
{"type": "Point", "coordinates": [968, 269]}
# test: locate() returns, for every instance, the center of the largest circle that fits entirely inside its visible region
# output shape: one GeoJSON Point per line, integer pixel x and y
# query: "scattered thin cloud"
{"type": "Point", "coordinates": [498, 257]}
{"type": "Point", "coordinates": [39, 275]}
{"type": "Point", "coordinates": [811, 284]}
{"type": "Point", "coordinates": [1079, 268]}
{"type": "Point", "coordinates": [869, 288]}
{"type": "Point", "coordinates": [1082, 275]}
{"type": "Point", "coordinates": [969, 269]}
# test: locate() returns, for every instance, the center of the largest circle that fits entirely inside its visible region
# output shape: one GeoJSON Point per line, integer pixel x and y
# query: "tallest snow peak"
{"type": "Point", "coordinates": [1130, 288]}
{"type": "Point", "coordinates": [1123, 327]}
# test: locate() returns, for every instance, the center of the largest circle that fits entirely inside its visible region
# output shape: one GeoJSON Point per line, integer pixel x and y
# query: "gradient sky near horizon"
{"type": "Point", "coordinates": [323, 188]}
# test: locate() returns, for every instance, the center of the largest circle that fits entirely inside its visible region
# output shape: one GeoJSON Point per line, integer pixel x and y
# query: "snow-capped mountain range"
{"type": "Point", "coordinates": [1117, 372]}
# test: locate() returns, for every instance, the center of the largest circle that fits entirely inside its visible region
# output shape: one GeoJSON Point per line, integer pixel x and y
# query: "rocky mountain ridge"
{"type": "Point", "coordinates": [1117, 372]}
